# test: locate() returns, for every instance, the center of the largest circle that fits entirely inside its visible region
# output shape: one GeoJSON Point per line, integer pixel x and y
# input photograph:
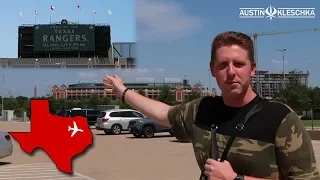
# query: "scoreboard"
{"type": "Point", "coordinates": [63, 40]}
{"type": "Point", "coordinates": [62, 37]}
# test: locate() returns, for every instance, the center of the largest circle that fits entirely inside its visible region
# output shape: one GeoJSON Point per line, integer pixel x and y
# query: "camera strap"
{"type": "Point", "coordinates": [242, 118]}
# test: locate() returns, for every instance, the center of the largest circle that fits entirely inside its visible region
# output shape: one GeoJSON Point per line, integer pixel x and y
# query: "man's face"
{"type": "Point", "coordinates": [233, 70]}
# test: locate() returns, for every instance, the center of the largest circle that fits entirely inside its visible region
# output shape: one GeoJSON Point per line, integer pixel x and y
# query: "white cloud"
{"type": "Point", "coordinates": [137, 72]}
{"type": "Point", "coordinates": [159, 20]}
{"type": "Point", "coordinates": [160, 70]}
{"type": "Point", "coordinates": [142, 70]}
{"type": "Point", "coordinates": [278, 62]}
{"type": "Point", "coordinates": [88, 74]}
{"type": "Point", "coordinates": [133, 73]}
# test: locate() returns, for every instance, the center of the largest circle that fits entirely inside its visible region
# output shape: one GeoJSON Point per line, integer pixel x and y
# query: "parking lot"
{"type": "Point", "coordinates": [112, 157]}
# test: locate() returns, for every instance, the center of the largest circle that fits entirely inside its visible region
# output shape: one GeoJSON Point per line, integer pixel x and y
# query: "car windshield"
{"type": "Point", "coordinates": [60, 113]}
{"type": "Point", "coordinates": [67, 114]}
{"type": "Point", "coordinates": [102, 114]}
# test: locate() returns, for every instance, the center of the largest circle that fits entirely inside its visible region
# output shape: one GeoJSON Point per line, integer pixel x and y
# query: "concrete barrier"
{"type": "Point", "coordinates": [314, 134]}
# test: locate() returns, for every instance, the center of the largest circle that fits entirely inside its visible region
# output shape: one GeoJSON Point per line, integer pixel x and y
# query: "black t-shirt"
{"type": "Point", "coordinates": [273, 144]}
{"type": "Point", "coordinates": [213, 110]}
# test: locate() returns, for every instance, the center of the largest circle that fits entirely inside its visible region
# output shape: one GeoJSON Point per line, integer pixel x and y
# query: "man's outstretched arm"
{"type": "Point", "coordinates": [155, 110]}
{"type": "Point", "coordinates": [253, 178]}
{"type": "Point", "coordinates": [180, 117]}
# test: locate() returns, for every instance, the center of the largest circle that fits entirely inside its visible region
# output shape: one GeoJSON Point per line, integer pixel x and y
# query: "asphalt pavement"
{"type": "Point", "coordinates": [37, 171]}
{"type": "Point", "coordinates": [115, 157]}
{"type": "Point", "coordinates": [112, 157]}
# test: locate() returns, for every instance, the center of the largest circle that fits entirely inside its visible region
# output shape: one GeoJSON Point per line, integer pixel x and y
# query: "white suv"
{"type": "Point", "coordinates": [116, 120]}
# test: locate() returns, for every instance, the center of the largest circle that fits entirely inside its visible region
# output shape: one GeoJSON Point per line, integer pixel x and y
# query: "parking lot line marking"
{"type": "Point", "coordinates": [33, 169]}
{"type": "Point", "coordinates": [86, 177]}
{"type": "Point", "coordinates": [25, 165]}
{"type": "Point", "coordinates": [32, 174]}
{"type": "Point", "coordinates": [33, 177]}
{"type": "Point", "coordinates": [37, 171]}
{"type": "Point", "coordinates": [26, 171]}
{"type": "Point", "coordinates": [66, 178]}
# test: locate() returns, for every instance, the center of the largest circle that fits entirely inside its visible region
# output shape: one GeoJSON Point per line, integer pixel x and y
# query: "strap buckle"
{"type": "Point", "coordinates": [239, 127]}
{"type": "Point", "coordinates": [213, 126]}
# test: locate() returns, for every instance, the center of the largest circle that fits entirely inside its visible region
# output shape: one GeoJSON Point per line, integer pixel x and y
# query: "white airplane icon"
{"type": "Point", "coordinates": [75, 129]}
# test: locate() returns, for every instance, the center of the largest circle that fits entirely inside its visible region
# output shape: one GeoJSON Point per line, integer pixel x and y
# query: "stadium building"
{"type": "Point", "coordinates": [151, 90]}
{"type": "Point", "coordinates": [69, 45]}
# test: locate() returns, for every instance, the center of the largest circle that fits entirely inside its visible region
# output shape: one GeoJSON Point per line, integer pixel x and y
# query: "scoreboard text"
{"type": "Point", "coordinates": [64, 37]}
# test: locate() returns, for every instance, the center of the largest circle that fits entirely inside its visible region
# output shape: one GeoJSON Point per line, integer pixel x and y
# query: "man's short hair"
{"type": "Point", "coordinates": [230, 38]}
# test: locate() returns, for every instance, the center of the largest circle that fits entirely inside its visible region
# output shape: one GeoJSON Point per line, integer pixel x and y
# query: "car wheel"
{"type": "Point", "coordinates": [148, 132]}
{"type": "Point", "coordinates": [171, 133]}
{"type": "Point", "coordinates": [116, 129]}
{"type": "Point", "coordinates": [137, 135]}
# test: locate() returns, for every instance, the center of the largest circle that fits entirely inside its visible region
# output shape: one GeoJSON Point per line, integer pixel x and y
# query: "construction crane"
{"type": "Point", "coordinates": [255, 40]}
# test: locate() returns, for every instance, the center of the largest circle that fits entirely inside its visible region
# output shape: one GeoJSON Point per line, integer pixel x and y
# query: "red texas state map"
{"type": "Point", "coordinates": [60, 137]}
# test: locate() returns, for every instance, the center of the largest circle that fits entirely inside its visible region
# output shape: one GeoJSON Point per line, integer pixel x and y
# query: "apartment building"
{"type": "Point", "coordinates": [272, 82]}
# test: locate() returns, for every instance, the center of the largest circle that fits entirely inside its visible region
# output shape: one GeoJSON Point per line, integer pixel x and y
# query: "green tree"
{"type": "Point", "coordinates": [53, 105]}
{"type": "Point", "coordinates": [140, 91]}
{"type": "Point", "coordinates": [166, 96]}
{"type": "Point", "coordinates": [105, 100]}
{"type": "Point", "coordinates": [124, 105]}
{"type": "Point", "coordinates": [10, 103]}
{"type": "Point", "coordinates": [93, 101]}
{"type": "Point", "coordinates": [81, 102]}
{"type": "Point", "coordinates": [64, 104]}
{"type": "Point", "coordinates": [295, 95]}
{"type": "Point", "coordinates": [315, 97]}
{"type": "Point", "coordinates": [192, 95]}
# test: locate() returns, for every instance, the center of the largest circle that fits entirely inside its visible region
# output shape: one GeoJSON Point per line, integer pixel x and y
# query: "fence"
{"type": "Point", "coordinates": [308, 113]}
{"type": "Point", "coordinates": [16, 119]}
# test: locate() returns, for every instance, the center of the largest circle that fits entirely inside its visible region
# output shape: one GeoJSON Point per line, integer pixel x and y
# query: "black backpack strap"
{"type": "Point", "coordinates": [239, 127]}
{"type": "Point", "coordinates": [214, 146]}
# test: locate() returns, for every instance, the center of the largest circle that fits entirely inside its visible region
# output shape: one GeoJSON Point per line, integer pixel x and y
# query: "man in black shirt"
{"type": "Point", "coordinates": [273, 144]}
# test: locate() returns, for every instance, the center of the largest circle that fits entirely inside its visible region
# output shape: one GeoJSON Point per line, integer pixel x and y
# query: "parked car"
{"type": "Point", "coordinates": [116, 120]}
{"type": "Point", "coordinates": [147, 128]}
{"type": "Point", "coordinates": [90, 114]}
{"type": "Point", "coordinates": [6, 147]}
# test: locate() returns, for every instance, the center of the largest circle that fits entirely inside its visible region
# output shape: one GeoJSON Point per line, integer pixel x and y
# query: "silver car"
{"type": "Point", "coordinates": [116, 120]}
{"type": "Point", "coordinates": [6, 147]}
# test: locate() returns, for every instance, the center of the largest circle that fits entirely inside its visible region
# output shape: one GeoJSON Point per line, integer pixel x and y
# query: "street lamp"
{"type": "Point", "coordinates": [283, 50]}
{"type": "Point", "coordinates": [95, 88]}
{"type": "Point", "coordinates": [2, 106]}
{"type": "Point", "coordinates": [209, 78]}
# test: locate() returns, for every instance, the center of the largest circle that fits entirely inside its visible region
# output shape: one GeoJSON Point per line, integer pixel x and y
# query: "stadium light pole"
{"type": "Point", "coordinates": [283, 74]}
{"type": "Point", "coordinates": [209, 79]}
{"type": "Point", "coordinates": [2, 106]}
{"type": "Point", "coordinates": [95, 88]}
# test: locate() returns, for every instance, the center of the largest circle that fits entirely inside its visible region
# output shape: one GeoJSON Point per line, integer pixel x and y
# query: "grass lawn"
{"type": "Point", "coordinates": [308, 123]}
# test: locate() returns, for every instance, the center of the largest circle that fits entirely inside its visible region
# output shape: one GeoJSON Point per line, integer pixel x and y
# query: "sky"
{"type": "Point", "coordinates": [173, 38]}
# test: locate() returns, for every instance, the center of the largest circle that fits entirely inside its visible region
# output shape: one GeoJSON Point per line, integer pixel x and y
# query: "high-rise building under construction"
{"type": "Point", "coordinates": [272, 82]}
